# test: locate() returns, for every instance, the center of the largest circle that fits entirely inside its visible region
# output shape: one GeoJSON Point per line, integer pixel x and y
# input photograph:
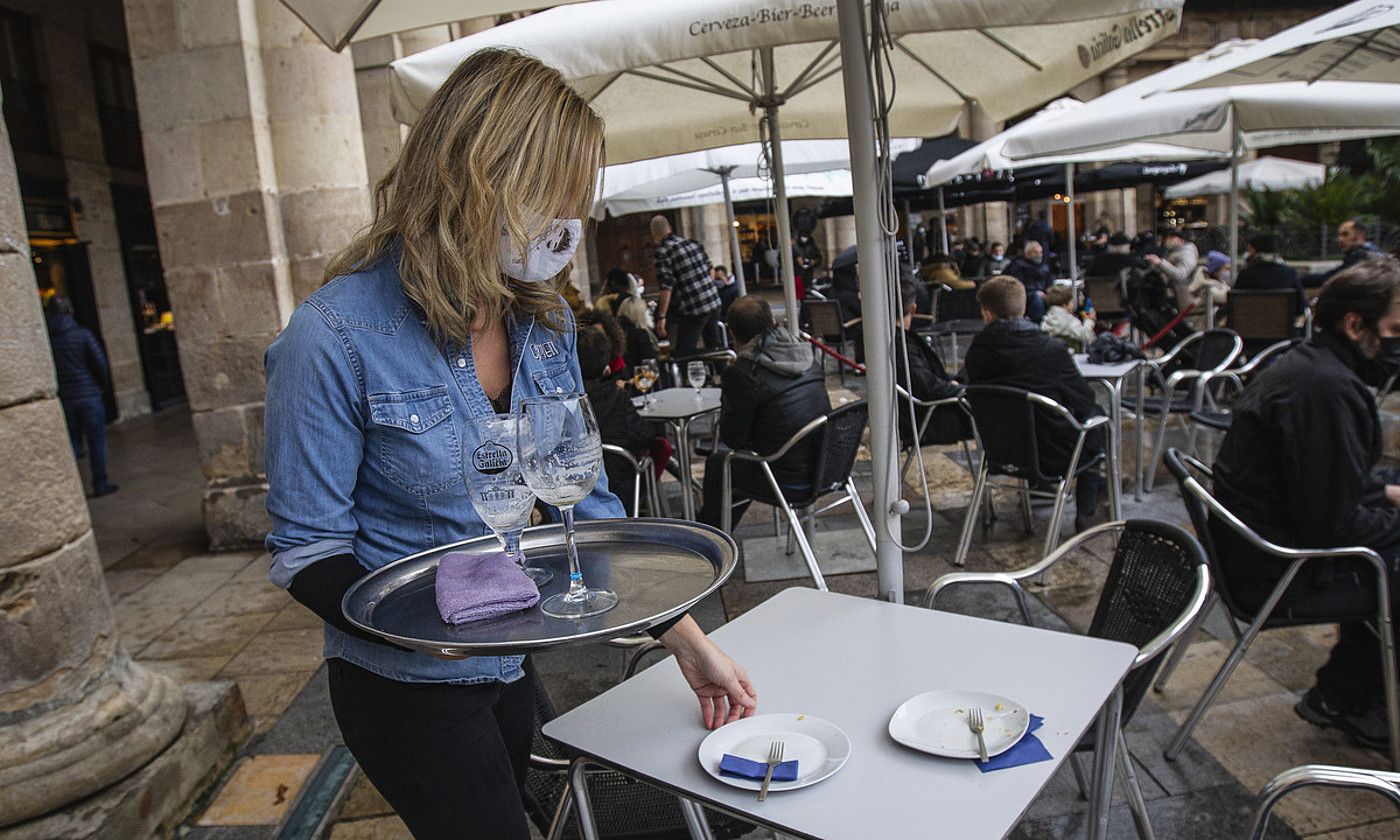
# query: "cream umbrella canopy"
{"type": "Point", "coordinates": [338, 22]}
{"type": "Point", "coordinates": [1265, 173]}
{"type": "Point", "coordinates": [677, 77]}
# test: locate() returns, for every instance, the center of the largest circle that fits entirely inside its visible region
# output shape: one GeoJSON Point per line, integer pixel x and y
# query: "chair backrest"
{"type": "Point", "coordinates": [1107, 295]}
{"type": "Point", "coordinates": [840, 442]}
{"type": "Point", "coordinates": [1216, 349]}
{"type": "Point", "coordinates": [1264, 314]}
{"type": "Point", "coordinates": [618, 463]}
{"type": "Point", "coordinates": [1005, 421]}
{"type": "Point", "coordinates": [1153, 580]}
{"type": "Point", "coordinates": [1192, 476]}
{"type": "Point", "coordinates": [824, 318]}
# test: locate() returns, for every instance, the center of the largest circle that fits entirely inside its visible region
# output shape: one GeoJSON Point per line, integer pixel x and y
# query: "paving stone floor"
{"type": "Point", "coordinates": [201, 616]}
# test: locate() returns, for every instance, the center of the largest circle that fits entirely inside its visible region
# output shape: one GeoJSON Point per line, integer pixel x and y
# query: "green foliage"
{"type": "Point", "coordinates": [1385, 158]}
{"type": "Point", "coordinates": [1267, 209]}
{"type": "Point", "coordinates": [1342, 196]}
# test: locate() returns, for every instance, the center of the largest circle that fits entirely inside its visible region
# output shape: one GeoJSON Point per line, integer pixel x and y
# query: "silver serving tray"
{"type": "Point", "coordinates": [659, 568]}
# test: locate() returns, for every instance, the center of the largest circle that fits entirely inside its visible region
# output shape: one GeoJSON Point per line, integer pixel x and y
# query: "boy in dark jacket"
{"type": "Point", "coordinates": [769, 393]}
{"type": "Point", "coordinates": [82, 371]}
{"type": "Point", "coordinates": [1014, 352]}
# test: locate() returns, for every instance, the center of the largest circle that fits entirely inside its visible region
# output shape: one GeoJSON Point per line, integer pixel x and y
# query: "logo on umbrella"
{"type": "Point", "coordinates": [491, 458]}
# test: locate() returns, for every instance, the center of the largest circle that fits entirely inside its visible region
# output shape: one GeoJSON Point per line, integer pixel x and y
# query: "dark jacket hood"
{"type": "Point", "coordinates": [779, 351]}
{"type": "Point", "coordinates": [62, 322]}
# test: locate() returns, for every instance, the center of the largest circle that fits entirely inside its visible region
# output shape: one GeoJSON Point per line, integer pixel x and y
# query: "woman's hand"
{"type": "Point", "coordinates": [720, 684]}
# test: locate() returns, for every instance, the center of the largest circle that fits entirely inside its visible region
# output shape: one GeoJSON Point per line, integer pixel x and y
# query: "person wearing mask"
{"type": "Point", "coordinates": [727, 287]}
{"type": "Point", "coordinates": [1075, 331]}
{"type": "Point", "coordinates": [683, 270]}
{"type": "Point", "coordinates": [1265, 269]}
{"type": "Point", "coordinates": [997, 261]}
{"type": "Point", "coordinates": [372, 388]}
{"type": "Point", "coordinates": [806, 259]}
{"type": "Point", "coordinates": [1117, 255]}
{"type": "Point", "coordinates": [973, 263]}
{"type": "Point", "coordinates": [81, 368]}
{"type": "Point", "coordinates": [773, 389]}
{"type": "Point", "coordinates": [1351, 238]}
{"type": "Point", "coordinates": [1179, 266]}
{"type": "Point", "coordinates": [1298, 466]}
{"type": "Point", "coordinates": [1017, 353]}
{"type": "Point", "coordinates": [1033, 271]}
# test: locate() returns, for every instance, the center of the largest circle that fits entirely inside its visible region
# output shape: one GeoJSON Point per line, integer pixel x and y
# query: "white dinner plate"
{"type": "Point", "coordinates": [819, 747]}
{"type": "Point", "coordinates": [936, 722]}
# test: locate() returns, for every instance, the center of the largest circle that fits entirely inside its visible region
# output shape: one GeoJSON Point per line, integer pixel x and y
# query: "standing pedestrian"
{"type": "Point", "coordinates": [82, 373]}
{"type": "Point", "coordinates": [683, 270]}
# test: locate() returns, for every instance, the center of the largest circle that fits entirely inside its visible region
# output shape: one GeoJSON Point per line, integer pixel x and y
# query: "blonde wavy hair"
{"type": "Point", "coordinates": [504, 143]}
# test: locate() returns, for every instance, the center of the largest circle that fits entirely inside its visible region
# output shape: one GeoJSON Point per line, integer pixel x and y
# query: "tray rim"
{"type": "Point", "coordinates": [729, 559]}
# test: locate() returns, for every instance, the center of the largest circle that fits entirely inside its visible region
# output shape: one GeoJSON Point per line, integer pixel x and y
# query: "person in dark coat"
{"type": "Point", "coordinates": [1032, 269]}
{"type": "Point", "coordinates": [770, 392]}
{"type": "Point", "coordinates": [926, 379]}
{"type": "Point", "coordinates": [619, 424]}
{"type": "Point", "coordinates": [1117, 255]}
{"type": "Point", "coordinates": [727, 287]}
{"type": "Point", "coordinates": [1298, 467]}
{"type": "Point", "coordinates": [1265, 269]}
{"type": "Point", "coordinates": [81, 367]}
{"type": "Point", "coordinates": [1040, 231]}
{"type": "Point", "coordinates": [1351, 238]}
{"type": "Point", "coordinates": [1014, 352]}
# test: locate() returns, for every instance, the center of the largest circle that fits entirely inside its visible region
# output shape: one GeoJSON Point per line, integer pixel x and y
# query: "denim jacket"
{"type": "Point", "coordinates": [367, 420]}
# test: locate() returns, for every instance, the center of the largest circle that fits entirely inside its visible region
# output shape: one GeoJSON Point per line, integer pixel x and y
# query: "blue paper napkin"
{"type": "Point", "coordinates": [743, 768]}
{"type": "Point", "coordinates": [1028, 750]}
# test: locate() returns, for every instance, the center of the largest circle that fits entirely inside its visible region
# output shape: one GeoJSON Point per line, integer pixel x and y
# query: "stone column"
{"type": "Point", "coordinates": [257, 175]}
{"type": "Point", "coordinates": [89, 182]}
{"type": "Point", "coordinates": [76, 713]}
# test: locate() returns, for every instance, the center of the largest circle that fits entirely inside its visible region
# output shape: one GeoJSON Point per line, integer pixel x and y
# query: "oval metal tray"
{"type": "Point", "coordinates": [659, 568]}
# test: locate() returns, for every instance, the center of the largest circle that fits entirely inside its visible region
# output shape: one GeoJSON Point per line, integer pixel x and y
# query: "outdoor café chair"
{"type": "Point", "coordinates": [715, 360]}
{"type": "Point", "coordinates": [838, 437]}
{"type": "Point", "coordinates": [1264, 316]}
{"type": "Point", "coordinates": [1319, 775]}
{"type": "Point", "coordinates": [1157, 586]}
{"type": "Point", "coordinates": [827, 324]}
{"type": "Point", "coordinates": [1183, 375]}
{"type": "Point", "coordinates": [1217, 417]}
{"type": "Point", "coordinates": [1004, 422]}
{"type": "Point", "coordinates": [643, 479]}
{"type": "Point", "coordinates": [1107, 295]}
{"type": "Point", "coordinates": [924, 411]}
{"type": "Point", "coordinates": [1206, 512]}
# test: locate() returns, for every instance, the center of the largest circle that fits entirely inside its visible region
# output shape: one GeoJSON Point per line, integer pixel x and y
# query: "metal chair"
{"type": "Point", "coordinates": [924, 411]}
{"type": "Point", "coordinates": [643, 481]}
{"type": "Point", "coordinates": [1264, 316]}
{"type": "Point", "coordinates": [1157, 586]}
{"type": "Point", "coordinates": [835, 440]}
{"type": "Point", "coordinates": [1217, 417]}
{"type": "Point", "coordinates": [1005, 421]}
{"type": "Point", "coordinates": [1108, 295]}
{"type": "Point", "coordinates": [715, 360]}
{"type": "Point", "coordinates": [1315, 775]}
{"type": "Point", "coordinates": [826, 322]}
{"type": "Point", "coordinates": [1206, 511]}
{"type": "Point", "coordinates": [1192, 365]}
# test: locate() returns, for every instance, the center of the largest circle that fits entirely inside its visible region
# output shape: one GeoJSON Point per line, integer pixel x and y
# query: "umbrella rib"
{"type": "Point", "coordinates": [806, 71]}
{"type": "Point", "coordinates": [1360, 45]}
{"type": "Point", "coordinates": [1001, 43]}
{"type": "Point", "coordinates": [709, 62]}
{"type": "Point", "coordinates": [703, 87]}
{"type": "Point", "coordinates": [793, 91]}
{"type": "Point", "coordinates": [937, 75]}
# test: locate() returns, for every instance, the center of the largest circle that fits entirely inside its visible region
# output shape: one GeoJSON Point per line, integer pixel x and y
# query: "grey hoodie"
{"type": "Point", "coordinates": [782, 352]}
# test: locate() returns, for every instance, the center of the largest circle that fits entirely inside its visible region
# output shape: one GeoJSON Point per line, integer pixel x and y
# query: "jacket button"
{"type": "Point", "coordinates": [413, 418]}
{"type": "Point", "coordinates": [461, 361]}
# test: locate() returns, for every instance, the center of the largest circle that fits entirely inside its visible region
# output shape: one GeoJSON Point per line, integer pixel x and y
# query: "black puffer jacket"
{"type": "Point", "coordinates": [78, 360]}
{"type": "Point", "coordinates": [774, 389]}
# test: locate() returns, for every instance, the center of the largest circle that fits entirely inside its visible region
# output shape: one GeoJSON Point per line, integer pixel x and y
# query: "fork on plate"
{"type": "Point", "coordinates": [976, 723]}
{"type": "Point", "coordinates": [775, 757]}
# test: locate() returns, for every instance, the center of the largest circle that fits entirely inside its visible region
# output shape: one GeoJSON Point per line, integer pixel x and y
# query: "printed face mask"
{"type": "Point", "coordinates": [545, 255]}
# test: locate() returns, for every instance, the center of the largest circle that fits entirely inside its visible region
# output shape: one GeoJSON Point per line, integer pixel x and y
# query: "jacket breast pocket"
{"type": "Point", "coordinates": [556, 380]}
{"type": "Point", "coordinates": [415, 440]}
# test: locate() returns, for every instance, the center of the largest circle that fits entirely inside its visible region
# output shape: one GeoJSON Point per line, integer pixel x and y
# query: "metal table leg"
{"type": "Point", "coordinates": [1105, 750]}
{"type": "Point", "coordinates": [1115, 447]}
{"type": "Point", "coordinates": [683, 444]}
{"type": "Point", "coordinates": [1137, 435]}
{"type": "Point", "coordinates": [578, 783]}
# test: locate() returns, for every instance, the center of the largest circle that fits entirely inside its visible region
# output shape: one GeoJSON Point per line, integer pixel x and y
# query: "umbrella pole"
{"type": "Point", "coordinates": [875, 302]}
{"type": "Point", "coordinates": [1073, 228]}
{"type": "Point", "coordinates": [943, 222]}
{"type": "Point", "coordinates": [1234, 218]}
{"type": "Point", "coordinates": [784, 220]}
{"type": "Point", "coordinates": [909, 235]}
{"type": "Point", "coordinates": [724, 172]}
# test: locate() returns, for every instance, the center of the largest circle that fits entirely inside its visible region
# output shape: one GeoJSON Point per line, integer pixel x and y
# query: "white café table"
{"type": "Point", "coordinates": [1111, 377]}
{"type": "Point", "coordinates": [853, 661]}
{"type": "Point", "coordinates": [679, 406]}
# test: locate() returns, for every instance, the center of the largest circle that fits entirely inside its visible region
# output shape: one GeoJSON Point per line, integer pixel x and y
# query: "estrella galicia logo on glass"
{"type": "Point", "coordinates": [491, 458]}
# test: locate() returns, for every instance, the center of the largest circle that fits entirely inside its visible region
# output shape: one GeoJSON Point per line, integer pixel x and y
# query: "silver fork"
{"type": "Point", "coordinates": [977, 725]}
{"type": "Point", "coordinates": [775, 757]}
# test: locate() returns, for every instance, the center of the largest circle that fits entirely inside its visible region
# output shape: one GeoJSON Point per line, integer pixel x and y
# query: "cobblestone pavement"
{"type": "Point", "coordinates": [202, 616]}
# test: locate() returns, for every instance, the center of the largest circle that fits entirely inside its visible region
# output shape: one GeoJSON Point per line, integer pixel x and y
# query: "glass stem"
{"type": "Point", "coordinates": [511, 541]}
{"type": "Point", "coordinates": [577, 591]}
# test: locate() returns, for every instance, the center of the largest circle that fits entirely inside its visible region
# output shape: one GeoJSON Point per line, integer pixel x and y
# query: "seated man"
{"type": "Point", "coordinates": [1014, 352]}
{"type": "Point", "coordinates": [1033, 271]}
{"type": "Point", "coordinates": [1296, 466]}
{"type": "Point", "coordinates": [926, 379]}
{"type": "Point", "coordinates": [1265, 269]}
{"type": "Point", "coordinates": [771, 391]}
{"type": "Point", "coordinates": [619, 424]}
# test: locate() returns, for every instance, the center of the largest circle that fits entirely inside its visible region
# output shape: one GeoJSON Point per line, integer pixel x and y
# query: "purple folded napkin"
{"type": "Point", "coordinates": [472, 587]}
{"type": "Point", "coordinates": [743, 768]}
{"type": "Point", "coordinates": [1028, 750]}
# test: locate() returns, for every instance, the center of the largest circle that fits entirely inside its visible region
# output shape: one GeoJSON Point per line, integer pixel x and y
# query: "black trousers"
{"type": "Point", "coordinates": [691, 329]}
{"type": "Point", "coordinates": [450, 759]}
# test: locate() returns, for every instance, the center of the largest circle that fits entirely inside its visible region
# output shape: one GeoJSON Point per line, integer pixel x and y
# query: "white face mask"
{"type": "Point", "coordinates": [545, 255]}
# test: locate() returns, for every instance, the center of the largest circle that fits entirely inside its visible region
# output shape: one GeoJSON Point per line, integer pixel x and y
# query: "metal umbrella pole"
{"type": "Point", "coordinates": [724, 173]}
{"type": "Point", "coordinates": [875, 298]}
{"type": "Point", "coordinates": [942, 217]}
{"type": "Point", "coordinates": [775, 140]}
{"type": "Point", "coordinates": [1073, 225]}
{"type": "Point", "coordinates": [1234, 215]}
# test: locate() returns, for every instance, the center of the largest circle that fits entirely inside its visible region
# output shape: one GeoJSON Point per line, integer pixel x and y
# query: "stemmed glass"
{"type": "Point", "coordinates": [647, 375]}
{"type": "Point", "coordinates": [561, 454]}
{"type": "Point", "coordinates": [696, 374]}
{"type": "Point", "coordinates": [498, 489]}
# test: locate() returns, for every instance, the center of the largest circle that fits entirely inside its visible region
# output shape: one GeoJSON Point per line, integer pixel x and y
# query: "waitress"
{"type": "Point", "coordinates": [446, 308]}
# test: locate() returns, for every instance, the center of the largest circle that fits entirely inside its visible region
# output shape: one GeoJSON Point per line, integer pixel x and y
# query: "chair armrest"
{"type": "Point", "coordinates": [1263, 355]}
{"type": "Point", "coordinates": [1050, 405]}
{"type": "Point", "coordinates": [946, 401]}
{"type": "Point", "coordinates": [1093, 423]}
{"type": "Point", "coordinates": [754, 457]}
{"type": "Point", "coordinates": [549, 765]}
{"type": "Point", "coordinates": [1171, 634]}
{"type": "Point", "coordinates": [1169, 356]}
{"type": "Point", "coordinates": [851, 323]}
{"type": "Point", "coordinates": [632, 460]}
{"type": "Point", "coordinates": [958, 578]}
{"type": "Point", "coordinates": [1309, 775]}
{"type": "Point", "coordinates": [1013, 580]}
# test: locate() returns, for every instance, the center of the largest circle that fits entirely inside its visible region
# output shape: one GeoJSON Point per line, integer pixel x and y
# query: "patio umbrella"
{"type": "Point", "coordinates": [1265, 173]}
{"type": "Point", "coordinates": [1359, 42]}
{"type": "Point", "coordinates": [338, 22]}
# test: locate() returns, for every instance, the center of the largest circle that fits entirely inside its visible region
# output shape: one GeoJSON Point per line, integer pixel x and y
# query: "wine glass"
{"type": "Point", "coordinates": [695, 374]}
{"type": "Point", "coordinates": [561, 453]}
{"type": "Point", "coordinates": [647, 375]}
{"type": "Point", "coordinates": [498, 489]}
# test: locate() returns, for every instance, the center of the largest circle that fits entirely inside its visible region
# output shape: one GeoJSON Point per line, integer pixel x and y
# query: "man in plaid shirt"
{"type": "Point", "coordinates": [683, 269]}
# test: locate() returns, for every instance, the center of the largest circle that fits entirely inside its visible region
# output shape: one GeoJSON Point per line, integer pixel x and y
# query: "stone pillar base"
{"type": "Point", "coordinates": [235, 515]}
{"type": "Point", "coordinates": [154, 801]}
{"type": "Point", "coordinates": [134, 403]}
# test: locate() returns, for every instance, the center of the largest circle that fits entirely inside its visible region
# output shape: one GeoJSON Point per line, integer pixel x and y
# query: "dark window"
{"type": "Point", "coordinates": [26, 97]}
{"type": "Point", "coordinates": [116, 107]}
